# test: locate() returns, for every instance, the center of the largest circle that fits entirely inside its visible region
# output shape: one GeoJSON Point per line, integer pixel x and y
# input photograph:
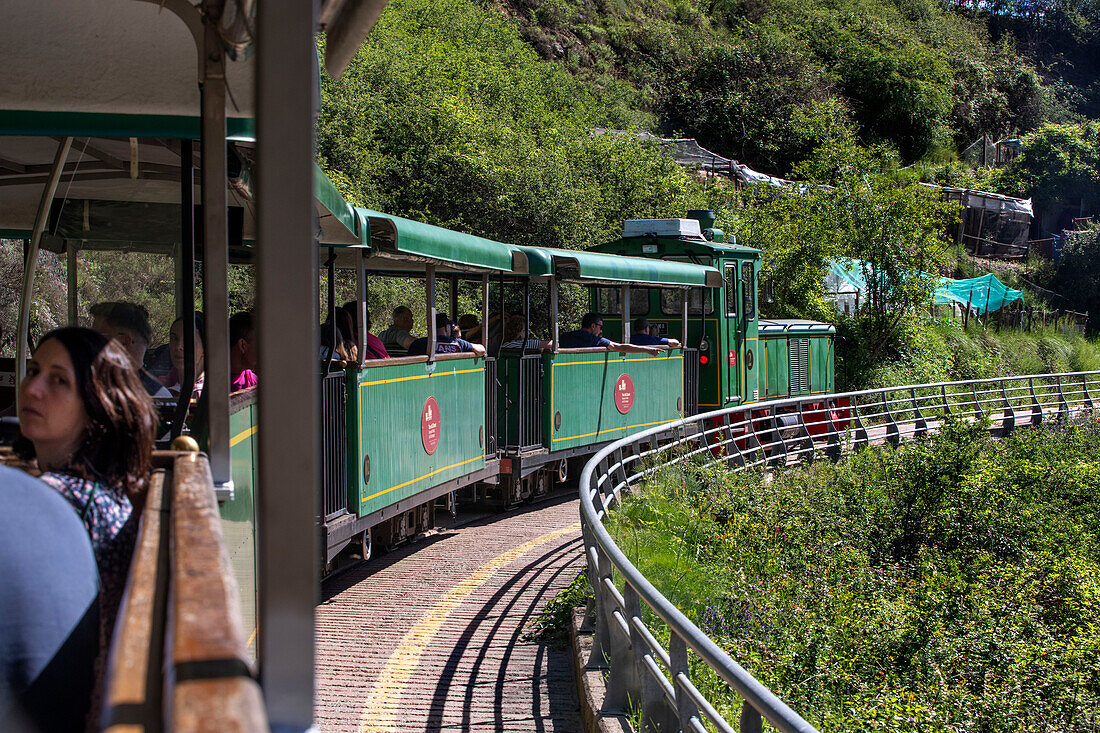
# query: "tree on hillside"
{"type": "Point", "coordinates": [851, 205]}
{"type": "Point", "coordinates": [1058, 164]}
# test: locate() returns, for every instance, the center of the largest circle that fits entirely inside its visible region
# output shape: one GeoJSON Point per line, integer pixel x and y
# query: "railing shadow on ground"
{"type": "Point", "coordinates": [644, 678]}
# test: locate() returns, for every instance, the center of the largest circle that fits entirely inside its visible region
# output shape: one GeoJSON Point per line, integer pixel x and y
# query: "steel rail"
{"type": "Point", "coordinates": [643, 676]}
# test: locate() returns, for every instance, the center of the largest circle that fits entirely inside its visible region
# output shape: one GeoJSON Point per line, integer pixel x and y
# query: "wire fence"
{"type": "Point", "coordinates": [645, 678]}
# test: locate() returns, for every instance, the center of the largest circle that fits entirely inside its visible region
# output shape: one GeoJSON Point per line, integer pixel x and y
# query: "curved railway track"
{"type": "Point", "coordinates": [435, 636]}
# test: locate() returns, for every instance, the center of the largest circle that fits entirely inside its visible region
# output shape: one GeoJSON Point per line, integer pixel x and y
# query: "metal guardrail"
{"type": "Point", "coordinates": [658, 681]}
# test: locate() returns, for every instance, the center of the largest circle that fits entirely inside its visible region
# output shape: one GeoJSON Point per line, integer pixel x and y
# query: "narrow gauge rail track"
{"type": "Point", "coordinates": [435, 636]}
{"type": "Point", "coordinates": [657, 681]}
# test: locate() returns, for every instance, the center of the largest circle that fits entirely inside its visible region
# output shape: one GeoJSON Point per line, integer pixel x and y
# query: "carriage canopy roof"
{"type": "Point", "coordinates": [124, 193]}
{"type": "Point", "coordinates": [593, 268]}
{"type": "Point", "coordinates": [403, 241]}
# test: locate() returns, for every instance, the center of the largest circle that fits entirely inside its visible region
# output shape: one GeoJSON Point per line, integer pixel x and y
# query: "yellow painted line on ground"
{"type": "Point", "coordinates": [418, 478]}
{"type": "Point", "coordinates": [611, 430]}
{"type": "Point", "coordinates": [604, 361]}
{"type": "Point", "coordinates": [420, 376]}
{"type": "Point", "coordinates": [380, 713]}
{"type": "Point", "coordinates": [243, 436]}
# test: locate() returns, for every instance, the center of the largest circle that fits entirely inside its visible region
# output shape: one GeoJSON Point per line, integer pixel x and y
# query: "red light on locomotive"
{"type": "Point", "coordinates": [703, 359]}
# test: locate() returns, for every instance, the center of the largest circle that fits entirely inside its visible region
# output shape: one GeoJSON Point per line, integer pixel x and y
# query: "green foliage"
{"type": "Point", "coordinates": [551, 625]}
{"type": "Point", "coordinates": [1077, 273]}
{"type": "Point", "coordinates": [952, 584]}
{"type": "Point", "coordinates": [447, 116]}
{"type": "Point", "coordinates": [1057, 163]}
{"type": "Point", "coordinates": [852, 206]}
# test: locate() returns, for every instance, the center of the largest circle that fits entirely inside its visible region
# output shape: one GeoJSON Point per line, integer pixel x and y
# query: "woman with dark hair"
{"type": "Point", "coordinates": [345, 348]}
{"type": "Point", "coordinates": [86, 419]}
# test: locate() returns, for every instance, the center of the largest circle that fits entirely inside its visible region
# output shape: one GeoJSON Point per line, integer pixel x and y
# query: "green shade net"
{"type": "Point", "coordinates": [985, 294]}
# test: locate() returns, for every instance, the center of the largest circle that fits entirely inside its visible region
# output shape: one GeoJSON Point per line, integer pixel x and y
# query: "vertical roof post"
{"type": "Point", "coordinates": [289, 403]}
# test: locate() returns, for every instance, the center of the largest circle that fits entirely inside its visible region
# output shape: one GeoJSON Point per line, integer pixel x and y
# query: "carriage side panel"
{"type": "Point", "coordinates": [412, 426]}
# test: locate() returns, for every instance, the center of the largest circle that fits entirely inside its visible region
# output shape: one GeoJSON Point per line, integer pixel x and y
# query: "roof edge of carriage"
{"type": "Point", "coordinates": [591, 267]}
{"type": "Point", "coordinates": [657, 246]}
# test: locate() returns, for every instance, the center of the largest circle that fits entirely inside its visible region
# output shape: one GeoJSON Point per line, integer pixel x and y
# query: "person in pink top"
{"type": "Point", "coordinates": [374, 348]}
{"type": "Point", "coordinates": [242, 352]}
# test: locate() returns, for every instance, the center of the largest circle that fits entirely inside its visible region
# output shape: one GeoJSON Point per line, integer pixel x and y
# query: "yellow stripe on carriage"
{"type": "Point", "coordinates": [420, 376]}
{"type": "Point", "coordinates": [243, 435]}
{"type": "Point", "coordinates": [420, 478]}
{"type": "Point", "coordinates": [611, 430]}
{"type": "Point", "coordinates": [604, 361]}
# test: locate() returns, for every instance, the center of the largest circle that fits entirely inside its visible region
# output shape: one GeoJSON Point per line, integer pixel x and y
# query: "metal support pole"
{"type": "Point", "coordinates": [626, 314]}
{"type": "Point", "coordinates": [527, 306]}
{"type": "Point", "coordinates": [430, 287]}
{"type": "Point", "coordinates": [215, 241]}
{"type": "Point", "coordinates": [361, 283]}
{"type": "Point", "coordinates": [555, 329]}
{"type": "Point", "coordinates": [287, 501]}
{"type": "Point", "coordinates": [30, 260]}
{"type": "Point", "coordinates": [330, 305]}
{"type": "Point", "coordinates": [72, 268]}
{"type": "Point", "coordinates": [684, 320]}
{"type": "Point", "coordinates": [454, 297]}
{"type": "Point", "coordinates": [185, 284]}
{"type": "Point", "coordinates": [485, 311]}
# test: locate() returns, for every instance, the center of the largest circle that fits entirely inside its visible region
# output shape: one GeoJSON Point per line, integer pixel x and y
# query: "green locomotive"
{"type": "Point", "coordinates": [741, 358]}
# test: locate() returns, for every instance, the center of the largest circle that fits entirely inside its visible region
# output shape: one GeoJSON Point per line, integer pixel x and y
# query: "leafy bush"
{"type": "Point", "coordinates": [952, 584]}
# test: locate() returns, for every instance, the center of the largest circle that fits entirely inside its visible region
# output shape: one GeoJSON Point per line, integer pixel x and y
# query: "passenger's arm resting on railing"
{"type": "Point", "coordinates": [634, 349]}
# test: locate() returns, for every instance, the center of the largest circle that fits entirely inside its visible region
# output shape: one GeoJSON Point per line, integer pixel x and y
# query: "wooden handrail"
{"type": "Point", "coordinates": [211, 668]}
{"type": "Point", "coordinates": [134, 689]}
{"type": "Point", "coordinates": [179, 660]}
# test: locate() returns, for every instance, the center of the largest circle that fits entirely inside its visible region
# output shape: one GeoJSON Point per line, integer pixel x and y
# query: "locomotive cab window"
{"type": "Point", "coordinates": [672, 302]}
{"type": "Point", "coordinates": [748, 290]}
{"type": "Point", "coordinates": [609, 301]}
{"type": "Point", "coordinates": [731, 289]}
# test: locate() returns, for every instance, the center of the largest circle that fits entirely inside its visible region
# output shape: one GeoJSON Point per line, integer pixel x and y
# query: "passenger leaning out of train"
{"type": "Point", "coordinates": [446, 340]}
{"type": "Point", "coordinates": [128, 323]}
{"type": "Point", "coordinates": [373, 348]}
{"type": "Point", "coordinates": [590, 335]}
{"type": "Point", "coordinates": [89, 425]}
{"type": "Point", "coordinates": [242, 352]}
{"type": "Point", "coordinates": [515, 332]}
{"type": "Point", "coordinates": [397, 338]}
{"type": "Point", "coordinates": [173, 380]}
{"type": "Point", "coordinates": [645, 334]}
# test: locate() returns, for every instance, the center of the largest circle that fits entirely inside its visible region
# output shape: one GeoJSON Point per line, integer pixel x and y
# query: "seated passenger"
{"type": "Point", "coordinates": [515, 329]}
{"type": "Point", "coordinates": [641, 335]}
{"type": "Point", "coordinates": [88, 423]}
{"type": "Point", "coordinates": [49, 593]}
{"type": "Point", "coordinates": [445, 340]}
{"type": "Point", "coordinates": [373, 348]}
{"type": "Point", "coordinates": [470, 328]}
{"type": "Point", "coordinates": [128, 323]}
{"type": "Point", "coordinates": [589, 335]}
{"type": "Point", "coordinates": [242, 352]}
{"type": "Point", "coordinates": [397, 338]}
{"type": "Point", "coordinates": [173, 380]}
{"type": "Point", "coordinates": [344, 349]}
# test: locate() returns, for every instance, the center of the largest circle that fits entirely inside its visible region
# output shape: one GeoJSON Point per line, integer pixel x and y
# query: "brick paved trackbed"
{"type": "Point", "coordinates": [433, 637]}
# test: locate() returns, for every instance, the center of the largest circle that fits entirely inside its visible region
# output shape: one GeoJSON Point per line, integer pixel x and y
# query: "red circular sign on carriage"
{"type": "Point", "coordinates": [624, 393]}
{"type": "Point", "coordinates": [732, 358]}
{"type": "Point", "coordinates": [429, 426]}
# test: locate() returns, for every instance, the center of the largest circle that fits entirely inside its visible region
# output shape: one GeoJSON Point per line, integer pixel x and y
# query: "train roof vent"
{"type": "Point", "coordinates": [662, 228]}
